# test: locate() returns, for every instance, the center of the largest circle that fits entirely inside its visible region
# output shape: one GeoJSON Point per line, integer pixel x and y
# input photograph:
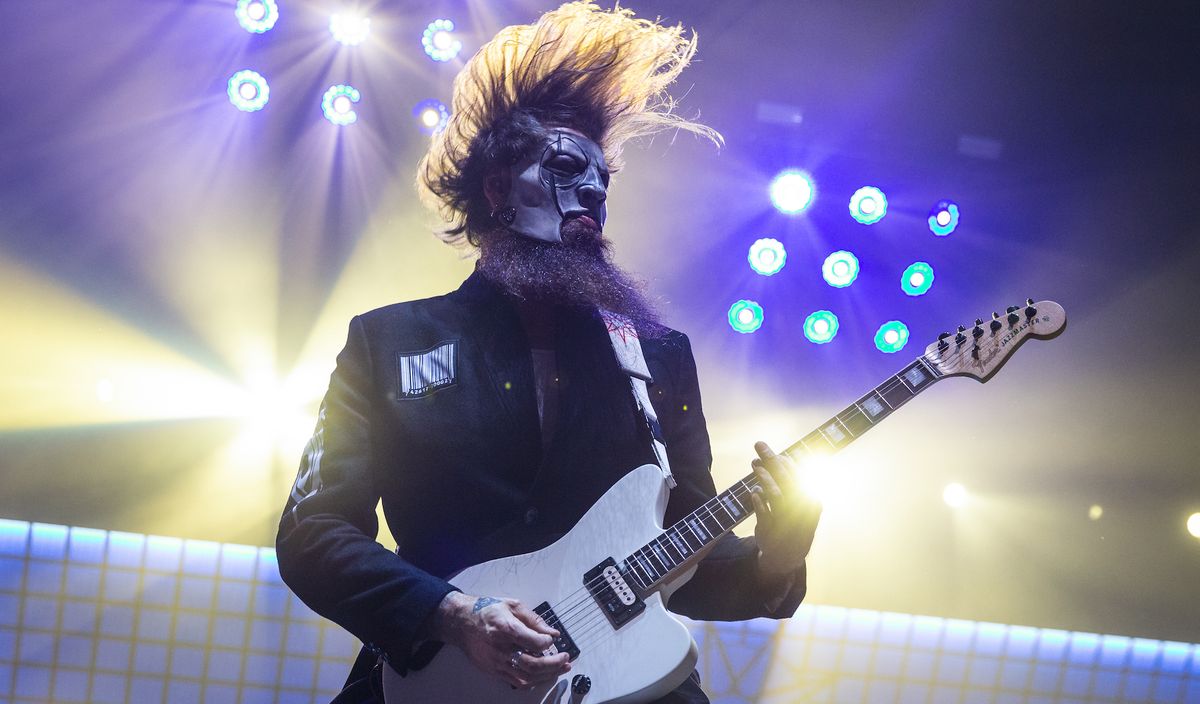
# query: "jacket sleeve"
{"type": "Point", "coordinates": [725, 586]}
{"type": "Point", "coordinates": [326, 542]}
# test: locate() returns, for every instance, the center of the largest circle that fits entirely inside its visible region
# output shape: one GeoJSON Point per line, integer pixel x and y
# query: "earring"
{"type": "Point", "coordinates": [505, 215]}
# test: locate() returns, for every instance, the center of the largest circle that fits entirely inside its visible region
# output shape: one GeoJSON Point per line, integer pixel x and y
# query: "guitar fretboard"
{"type": "Point", "coordinates": [656, 561]}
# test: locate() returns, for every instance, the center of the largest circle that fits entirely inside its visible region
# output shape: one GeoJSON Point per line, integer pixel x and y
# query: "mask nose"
{"type": "Point", "coordinates": [592, 195]}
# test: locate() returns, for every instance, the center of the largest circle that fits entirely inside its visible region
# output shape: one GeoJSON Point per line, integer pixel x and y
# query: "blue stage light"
{"type": "Point", "coordinates": [349, 29]}
{"type": "Point", "coordinates": [892, 336]}
{"type": "Point", "coordinates": [432, 115]}
{"type": "Point", "coordinates": [917, 279]}
{"type": "Point", "coordinates": [840, 269]}
{"type": "Point", "coordinates": [745, 316]}
{"type": "Point", "coordinates": [338, 104]}
{"type": "Point", "coordinates": [248, 91]}
{"type": "Point", "coordinates": [943, 218]}
{"type": "Point", "coordinates": [439, 42]}
{"type": "Point", "coordinates": [257, 16]}
{"type": "Point", "coordinates": [792, 191]}
{"type": "Point", "coordinates": [767, 256]}
{"type": "Point", "coordinates": [820, 327]}
{"type": "Point", "coordinates": [868, 205]}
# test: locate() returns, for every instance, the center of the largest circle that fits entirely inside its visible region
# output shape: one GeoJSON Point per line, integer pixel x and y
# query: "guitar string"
{"type": "Point", "coordinates": [589, 625]}
{"type": "Point", "coordinates": [645, 553]}
{"type": "Point", "coordinates": [584, 625]}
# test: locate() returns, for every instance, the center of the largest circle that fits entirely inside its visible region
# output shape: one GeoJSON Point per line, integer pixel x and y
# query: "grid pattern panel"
{"type": "Point", "coordinates": [850, 656]}
{"type": "Point", "coordinates": [119, 618]}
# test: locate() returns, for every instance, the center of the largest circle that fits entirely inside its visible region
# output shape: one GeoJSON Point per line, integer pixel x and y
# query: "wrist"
{"type": "Point", "coordinates": [445, 622]}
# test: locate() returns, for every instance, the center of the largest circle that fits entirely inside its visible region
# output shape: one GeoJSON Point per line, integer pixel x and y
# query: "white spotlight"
{"type": "Point", "coordinates": [955, 495]}
{"type": "Point", "coordinates": [350, 30]}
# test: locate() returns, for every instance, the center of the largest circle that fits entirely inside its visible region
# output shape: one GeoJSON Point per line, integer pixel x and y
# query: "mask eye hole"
{"type": "Point", "coordinates": [564, 165]}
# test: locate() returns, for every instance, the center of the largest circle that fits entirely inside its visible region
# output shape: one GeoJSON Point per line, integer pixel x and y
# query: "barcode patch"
{"type": "Point", "coordinates": [422, 373]}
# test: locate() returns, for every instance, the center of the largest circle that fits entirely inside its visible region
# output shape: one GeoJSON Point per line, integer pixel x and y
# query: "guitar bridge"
{"type": "Point", "coordinates": [614, 593]}
{"type": "Point", "coordinates": [562, 644]}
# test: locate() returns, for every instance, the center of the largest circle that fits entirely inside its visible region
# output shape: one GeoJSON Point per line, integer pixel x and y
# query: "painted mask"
{"type": "Point", "coordinates": [563, 177]}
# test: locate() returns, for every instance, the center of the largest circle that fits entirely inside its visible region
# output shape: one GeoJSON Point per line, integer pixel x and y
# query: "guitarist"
{"type": "Point", "coordinates": [488, 420]}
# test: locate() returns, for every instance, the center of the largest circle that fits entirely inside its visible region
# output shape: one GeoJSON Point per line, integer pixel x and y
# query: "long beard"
{"type": "Point", "coordinates": [578, 273]}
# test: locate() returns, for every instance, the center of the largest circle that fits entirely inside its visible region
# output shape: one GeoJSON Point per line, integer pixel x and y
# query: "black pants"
{"type": "Point", "coordinates": [365, 686]}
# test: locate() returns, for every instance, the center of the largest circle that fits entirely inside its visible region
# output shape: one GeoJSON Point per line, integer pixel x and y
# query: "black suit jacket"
{"type": "Point", "coordinates": [461, 469]}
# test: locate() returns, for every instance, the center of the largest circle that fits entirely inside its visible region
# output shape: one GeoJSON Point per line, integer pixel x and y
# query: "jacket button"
{"type": "Point", "coordinates": [531, 516]}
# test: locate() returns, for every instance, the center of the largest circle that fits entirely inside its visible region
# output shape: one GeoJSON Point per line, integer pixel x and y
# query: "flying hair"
{"type": "Point", "coordinates": [604, 73]}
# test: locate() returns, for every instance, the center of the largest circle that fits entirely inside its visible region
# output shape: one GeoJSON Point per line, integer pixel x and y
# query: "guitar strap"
{"type": "Point", "coordinates": [628, 349]}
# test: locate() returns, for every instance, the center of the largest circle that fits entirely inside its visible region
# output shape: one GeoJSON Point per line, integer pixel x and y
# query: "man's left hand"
{"type": "Point", "coordinates": [787, 515]}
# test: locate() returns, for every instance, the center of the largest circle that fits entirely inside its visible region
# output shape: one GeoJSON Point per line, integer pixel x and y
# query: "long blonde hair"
{"type": "Point", "coordinates": [605, 73]}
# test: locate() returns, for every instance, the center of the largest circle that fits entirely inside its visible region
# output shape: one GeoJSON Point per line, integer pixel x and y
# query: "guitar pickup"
{"type": "Point", "coordinates": [562, 644]}
{"type": "Point", "coordinates": [613, 592]}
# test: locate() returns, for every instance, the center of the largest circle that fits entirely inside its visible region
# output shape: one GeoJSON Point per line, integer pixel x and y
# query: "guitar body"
{"type": "Point", "coordinates": [643, 660]}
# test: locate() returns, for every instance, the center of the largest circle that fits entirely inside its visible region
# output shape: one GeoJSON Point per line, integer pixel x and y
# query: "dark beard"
{"type": "Point", "coordinates": [578, 273]}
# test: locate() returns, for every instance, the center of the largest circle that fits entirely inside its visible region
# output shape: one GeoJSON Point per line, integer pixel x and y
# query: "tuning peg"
{"type": "Point", "coordinates": [942, 344]}
{"type": "Point", "coordinates": [960, 337]}
{"type": "Point", "coordinates": [1030, 311]}
{"type": "Point", "coordinates": [1013, 318]}
{"type": "Point", "coordinates": [976, 332]}
{"type": "Point", "coordinates": [1012, 309]}
{"type": "Point", "coordinates": [1028, 301]}
{"type": "Point", "coordinates": [995, 324]}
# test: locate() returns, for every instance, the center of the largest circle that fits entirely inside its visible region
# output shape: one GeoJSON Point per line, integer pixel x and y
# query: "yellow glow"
{"type": "Point", "coordinates": [1095, 512]}
{"type": "Point", "coordinates": [955, 495]}
{"type": "Point", "coordinates": [74, 364]}
{"type": "Point", "coordinates": [1193, 525]}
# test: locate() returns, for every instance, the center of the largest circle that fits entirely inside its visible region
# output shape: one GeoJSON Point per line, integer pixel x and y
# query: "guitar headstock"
{"type": "Point", "coordinates": [979, 350]}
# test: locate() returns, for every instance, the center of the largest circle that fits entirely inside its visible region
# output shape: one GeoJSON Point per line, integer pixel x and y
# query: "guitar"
{"type": "Point", "coordinates": [605, 584]}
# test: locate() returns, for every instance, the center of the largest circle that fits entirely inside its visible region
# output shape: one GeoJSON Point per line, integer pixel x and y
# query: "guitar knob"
{"type": "Point", "coordinates": [977, 332]}
{"type": "Point", "coordinates": [960, 338]}
{"type": "Point", "coordinates": [1030, 311]}
{"type": "Point", "coordinates": [1013, 318]}
{"type": "Point", "coordinates": [581, 684]}
{"type": "Point", "coordinates": [995, 325]}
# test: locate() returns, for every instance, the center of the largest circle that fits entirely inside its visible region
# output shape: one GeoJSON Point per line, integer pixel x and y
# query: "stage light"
{"type": "Point", "coordinates": [1193, 525]}
{"type": "Point", "coordinates": [868, 205]}
{"type": "Point", "coordinates": [955, 495]}
{"type": "Point", "coordinates": [248, 91]}
{"type": "Point", "coordinates": [820, 327]}
{"type": "Point", "coordinates": [432, 115]}
{"type": "Point", "coordinates": [439, 40]}
{"type": "Point", "coordinates": [767, 256]}
{"type": "Point", "coordinates": [840, 269]}
{"type": "Point", "coordinates": [745, 316]}
{"type": "Point", "coordinates": [892, 336]}
{"type": "Point", "coordinates": [257, 16]}
{"type": "Point", "coordinates": [943, 218]}
{"type": "Point", "coordinates": [917, 279]}
{"type": "Point", "coordinates": [792, 191]}
{"type": "Point", "coordinates": [338, 105]}
{"type": "Point", "coordinates": [349, 29]}
{"type": "Point", "coordinates": [1095, 512]}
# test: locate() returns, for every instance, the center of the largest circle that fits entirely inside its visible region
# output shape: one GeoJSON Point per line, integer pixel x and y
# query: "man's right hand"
{"type": "Point", "coordinates": [501, 637]}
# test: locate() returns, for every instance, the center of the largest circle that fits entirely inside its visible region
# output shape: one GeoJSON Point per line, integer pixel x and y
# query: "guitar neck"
{"type": "Point", "coordinates": [662, 558]}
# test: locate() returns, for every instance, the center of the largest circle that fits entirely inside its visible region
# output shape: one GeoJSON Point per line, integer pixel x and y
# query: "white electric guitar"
{"type": "Point", "coordinates": [605, 584]}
